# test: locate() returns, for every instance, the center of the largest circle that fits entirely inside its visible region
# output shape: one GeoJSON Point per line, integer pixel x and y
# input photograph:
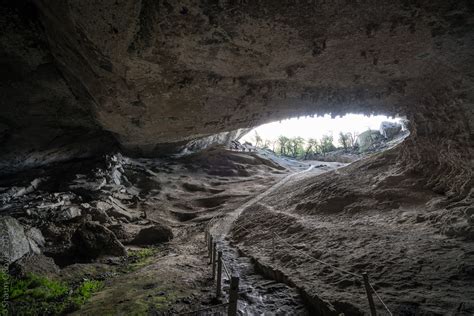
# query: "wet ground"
{"type": "Point", "coordinates": [259, 295]}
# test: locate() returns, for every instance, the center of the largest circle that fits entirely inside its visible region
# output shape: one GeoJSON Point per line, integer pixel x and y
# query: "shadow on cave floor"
{"type": "Point", "coordinates": [332, 217]}
{"type": "Point", "coordinates": [126, 199]}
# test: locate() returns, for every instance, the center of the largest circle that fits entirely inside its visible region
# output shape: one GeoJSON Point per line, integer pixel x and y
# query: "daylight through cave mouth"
{"type": "Point", "coordinates": [312, 137]}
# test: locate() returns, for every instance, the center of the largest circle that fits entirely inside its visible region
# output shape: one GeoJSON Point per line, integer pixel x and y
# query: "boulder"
{"type": "Point", "coordinates": [69, 212]}
{"type": "Point", "coordinates": [100, 216]}
{"type": "Point", "coordinates": [14, 243]}
{"type": "Point", "coordinates": [117, 210]}
{"type": "Point", "coordinates": [37, 264]}
{"type": "Point", "coordinates": [35, 239]}
{"type": "Point", "coordinates": [125, 232]}
{"type": "Point", "coordinates": [367, 139]}
{"type": "Point", "coordinates": [92, 240]}
{"type": "Point", "coordinates": [155, 234]}
{"type": "Point", "coordinates": [390, 129]}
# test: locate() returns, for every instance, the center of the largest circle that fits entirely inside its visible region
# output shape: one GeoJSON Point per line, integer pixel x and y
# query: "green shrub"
{"type": "Point", "coordinates": [37, 287]}
{"type": "Point", "coordinates": [38, 295]}
{"type": "Point", "coordinates": [84, 292]}
{"type": "Point", "coordinates": [141, 254]}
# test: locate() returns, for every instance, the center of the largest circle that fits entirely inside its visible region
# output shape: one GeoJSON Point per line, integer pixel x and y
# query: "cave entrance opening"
{"type": "Point", "coordinates": [342, 138]}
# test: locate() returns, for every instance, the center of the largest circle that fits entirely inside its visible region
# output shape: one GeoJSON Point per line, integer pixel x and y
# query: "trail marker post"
{"type": "Point", "coordinates": [210, 248]}
{"type": "Point", "coordinates": [368, 290]}
{"type": "Point", "coordinates": [214, 255]}
{"type": "Point", "coordinates": [233, 296]}
{"type": "Point", "coordinates": [219, 274]}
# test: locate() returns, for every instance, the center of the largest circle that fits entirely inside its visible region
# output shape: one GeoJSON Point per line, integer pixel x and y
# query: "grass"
{"type": "Point", "coordinates": [139, 258]}
{"type": "Point", "coordinates": [38, 295]}
{"type": "Point", "coordinates": [4, 285]}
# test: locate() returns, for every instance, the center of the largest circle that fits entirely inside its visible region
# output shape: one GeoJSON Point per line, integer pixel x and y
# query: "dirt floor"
{"type": "Point", "coordinates": [389, 232]}
{"type": "Point", "coordinates": [320, 210]}
{"type": "Point", "coordinates": [182, 194]}
{"type": "Point", "coordinates": [190, 194]}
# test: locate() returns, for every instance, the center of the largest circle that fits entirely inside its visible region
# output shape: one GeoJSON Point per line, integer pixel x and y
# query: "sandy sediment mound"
{"type": "Point", "coordinates": [374, 216]}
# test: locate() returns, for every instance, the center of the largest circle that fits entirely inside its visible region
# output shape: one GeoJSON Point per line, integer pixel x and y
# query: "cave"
{"type": "Point", "coordinates": [120, 159]}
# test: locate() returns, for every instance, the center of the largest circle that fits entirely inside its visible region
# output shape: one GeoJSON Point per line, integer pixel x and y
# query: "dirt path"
{"type": "Point", "coordinates": [221, 228]}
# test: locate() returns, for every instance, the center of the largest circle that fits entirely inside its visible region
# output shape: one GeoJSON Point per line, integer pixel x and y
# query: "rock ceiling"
{"type": "Point", "coordinates": [77, 74]}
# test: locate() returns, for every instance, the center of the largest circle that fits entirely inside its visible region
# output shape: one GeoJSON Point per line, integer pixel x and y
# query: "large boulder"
{"type": "Point", "coordinates": [390, 129]}
{"type": "Point", "coordinates": [14, 241]}
{"type": "Point", "coordinates": [125, 232]}
{"type": "Point", "coordinates": [36, 264]}
{"type": "Point", "coordinates": [92, 240]}
{"type": "Point", "coordinates": [367, 139]}
{"type": "Point", "coordinates": [35, 239]}
{"type": "Point", "coordinates": [155, 234]}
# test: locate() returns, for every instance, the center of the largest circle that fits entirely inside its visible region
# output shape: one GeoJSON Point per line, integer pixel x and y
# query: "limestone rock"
{"type": "Point", "coordinates": [125, 232]}
{"type": "Point", "coordinates": [70, 212]}
{"type": "Point", "coordinates": [367, 139]}
{"type": "Point", "coordinates": [390, 129]}
{"type": "Point", "coordinates": [35, 239]}
{"type": "Point", "coordinates": [37, 264]}
{"type": "Point", "coordinates": [92, 240]}
{"type": "Point", "coordinates": [153, 235]}
{"type": "Point", "coordinates": [14, 243]}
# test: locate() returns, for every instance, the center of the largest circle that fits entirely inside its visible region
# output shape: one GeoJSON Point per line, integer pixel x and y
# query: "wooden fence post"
{"type": "Point", "coordinates": [214, 255]}
{"type": "Point", "coordinates": [233, 296]}
{"type": "Point", "coordinates": [368, 290]}
{"type": "Point", "coordinates": [219, 274]}
{"type": "Point", "coordinates": [210, 248]}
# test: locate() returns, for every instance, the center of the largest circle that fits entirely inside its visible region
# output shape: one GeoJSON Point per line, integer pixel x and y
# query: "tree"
{"type": "Point", "coordinates": [311, 147]}
{"type": "Point", "coordinates": [353, 138]}
{"type": "Point", "coordinates": [295, 146]}
{"type": "Point", "coordinates": [326, 144]}
{"type": "Point", "coordinates": [344, 140]}
{"type": "Point", "coordinates": [282, 143]}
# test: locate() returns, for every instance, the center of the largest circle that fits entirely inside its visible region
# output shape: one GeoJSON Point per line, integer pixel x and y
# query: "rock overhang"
{"type": "Point", "coordinates": [153, 74]}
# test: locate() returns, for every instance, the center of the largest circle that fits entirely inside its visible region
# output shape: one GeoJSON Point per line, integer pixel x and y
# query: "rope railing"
{"type": "Point", "coordinates": [380, 299]}
{"type": "Point", "coordinates": [219, 267]}
{"type": "Point", "coordinates": [368, 286]}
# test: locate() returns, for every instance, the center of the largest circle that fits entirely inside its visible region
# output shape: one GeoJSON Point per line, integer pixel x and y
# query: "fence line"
{"type": "Point", "coordinates": [369, 289]}
{"type": "Point", "coordinates": [363, 276]}
{"type": "Point", "coordinates": [219, 265]}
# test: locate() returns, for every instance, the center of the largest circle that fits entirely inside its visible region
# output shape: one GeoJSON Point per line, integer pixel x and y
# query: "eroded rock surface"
{"type": "Point", "coordinates": [92, 240]}
{"type": "Point", "coordinates": [15, 242]}
{"type": "Point", "coordinates": [156, 73]}
{"type": "Point", "coordinates": [80, 78]}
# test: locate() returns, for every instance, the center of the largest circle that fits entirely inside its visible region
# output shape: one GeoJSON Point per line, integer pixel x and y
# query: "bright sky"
{"type": "Point", "coordinates": [316, 127]}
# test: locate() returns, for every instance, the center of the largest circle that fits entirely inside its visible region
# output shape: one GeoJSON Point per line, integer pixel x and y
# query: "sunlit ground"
{"type": "Point", "coordinates": [316, 127]}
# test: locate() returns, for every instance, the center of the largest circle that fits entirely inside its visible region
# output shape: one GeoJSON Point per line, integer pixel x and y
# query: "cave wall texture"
{"type": "Point", "coordinates": [79, 75]}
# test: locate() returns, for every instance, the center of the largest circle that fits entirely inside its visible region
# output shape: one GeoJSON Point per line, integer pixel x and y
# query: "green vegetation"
{"type": "Point", "coordinates": [38, 295]}
{"type": "Point", "coordinates": [347, 140]}
{"type": "Point", "coordinates": [300, 148]}
{"type": "Point", "coordinates": [4, 284]}
{"type": "Point", "coordinates": [84, 292]}
{"type": "Point", "coordinates": [34, 287]}
{"type": "Point", "coordinates": [140, 258]}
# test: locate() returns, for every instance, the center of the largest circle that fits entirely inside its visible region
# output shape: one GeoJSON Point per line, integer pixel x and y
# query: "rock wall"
{"type": "Point", "coordinates": [167, 72]}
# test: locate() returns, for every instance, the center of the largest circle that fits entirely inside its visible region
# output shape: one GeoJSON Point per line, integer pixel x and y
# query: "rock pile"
{"type": "Point", "coordinates": [94, 214]}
